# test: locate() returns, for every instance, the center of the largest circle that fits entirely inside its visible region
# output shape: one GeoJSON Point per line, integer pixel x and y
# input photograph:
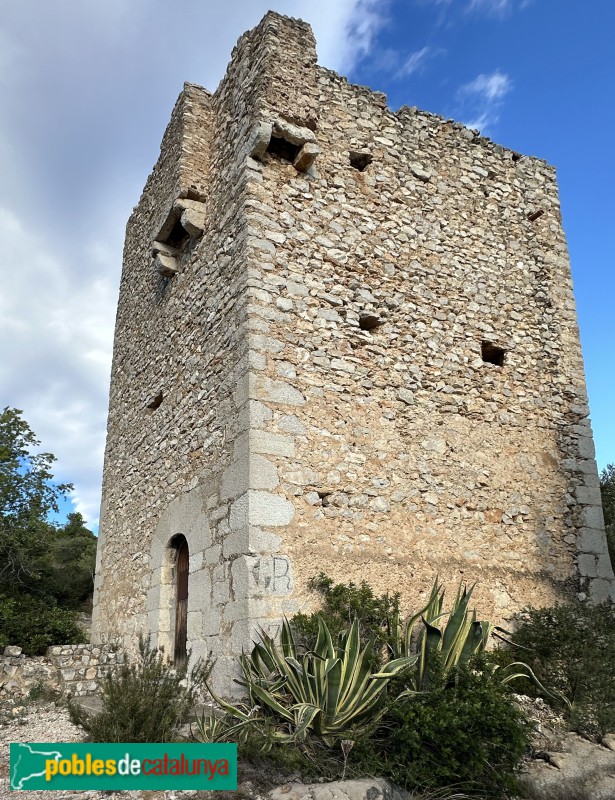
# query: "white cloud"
{"type": "Point", "coordinates": [57, 334]}
{"type": "Point", "coordinates": [498, 8]}
{"type": "Point", "coordinates": [402, 65]}
{"type": "Point", "coordinates": [481, 99]}
{"type": "Point", "coordinates": [345, 30]}
{"type": "Point", "coordinates": [415, 61]}
{"type": "Point", "coordinates": [494, 8]}
{"type": "Point", "coordinates": [86, 90]}
{"type": "Point", "coordinates": [490, 87]}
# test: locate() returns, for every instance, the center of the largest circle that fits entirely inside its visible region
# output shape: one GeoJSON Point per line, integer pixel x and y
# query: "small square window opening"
{"type": "Point", "coordinates": [360, 161]}
{"type": "Point", "coordinates": [492, 354]}
{"type": "Point", "coordinates": [283, 149]}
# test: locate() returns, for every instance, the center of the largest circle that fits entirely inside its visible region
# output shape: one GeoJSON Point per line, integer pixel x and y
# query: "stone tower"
{"type": "Point", "coordinates": [346, 342]}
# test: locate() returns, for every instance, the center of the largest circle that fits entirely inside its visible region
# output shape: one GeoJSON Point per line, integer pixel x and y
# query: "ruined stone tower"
{"type": "Point", "coordinates": [346, 342]}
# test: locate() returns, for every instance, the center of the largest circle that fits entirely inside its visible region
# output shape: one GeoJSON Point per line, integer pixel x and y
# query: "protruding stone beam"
{"type": "Point", "coordinates": [259, 140]}
{"type": "Point", "coordinates": [301, 137]}
{"type": "Point", "coordinates": [306, 157]}
{"type": "Point", "coordinates": [194, 210]}
{"type": "Point", "coordinates": [292, 133]}
{"type": "Point", "coordinates": [166, 265]}
{"type": "Point", "coordinates": [165, 259]}
{"type": "Point", "coordinates": [191, 216]}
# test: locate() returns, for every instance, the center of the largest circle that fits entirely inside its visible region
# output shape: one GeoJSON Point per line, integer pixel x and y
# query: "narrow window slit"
{"type": "Point", "coordinates": [492, 354]}
{"type": "Point", "coordinates": [535, 215]}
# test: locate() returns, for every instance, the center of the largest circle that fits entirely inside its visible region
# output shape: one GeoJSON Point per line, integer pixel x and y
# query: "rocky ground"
{"type": "Point", "coordinates": [47, 722]}
{"type": "Point", "coordinates": [566, 767]}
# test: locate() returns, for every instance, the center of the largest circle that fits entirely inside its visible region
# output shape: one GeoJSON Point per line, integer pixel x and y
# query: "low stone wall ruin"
{"type": "Point", "coordinates": [71, 669]}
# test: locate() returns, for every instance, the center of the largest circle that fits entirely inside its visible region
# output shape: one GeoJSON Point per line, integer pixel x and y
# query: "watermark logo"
{"type": "Point", "coordinates": [123, 766]}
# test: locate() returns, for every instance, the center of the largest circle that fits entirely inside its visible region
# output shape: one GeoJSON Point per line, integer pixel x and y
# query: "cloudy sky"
{"type": "Point", "coordinates": [86, 90]}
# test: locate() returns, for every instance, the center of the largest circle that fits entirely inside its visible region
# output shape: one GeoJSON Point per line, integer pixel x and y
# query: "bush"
{"type": "Point", "coordinates": [450, 637]}
{"type": "Point", "coordinates": [143, 701]}
{"type": "Point", "coordinates": [571, 648]}
{"type": "Point", "coordinates": [607, 491]}
{"type": "Point", "coordinates": [469, 736]}
{"type": "Point", "coordinates": [341, 605]}
{"type": "Point", "coordinates": [457, 729]}
{"type": "Point", "coordinates": [34, 624]}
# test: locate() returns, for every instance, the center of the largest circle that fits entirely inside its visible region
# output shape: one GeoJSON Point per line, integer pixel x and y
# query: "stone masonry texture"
{"type": "Point", "coordinates": [77, 670]}
{"type": "Point", "coordinates": [346, 341]}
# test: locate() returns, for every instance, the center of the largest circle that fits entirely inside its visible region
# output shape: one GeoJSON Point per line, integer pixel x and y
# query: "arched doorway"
{"type": "Point", "coordinates": [182, 564]}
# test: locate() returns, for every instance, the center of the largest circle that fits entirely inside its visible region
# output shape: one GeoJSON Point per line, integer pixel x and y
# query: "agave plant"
{"type": "Point", "coordinates": [328, 691]}
{"type": "Point", "coordinates": [450, 638]}
{"type": "Point", "coordinates": [455, 636]}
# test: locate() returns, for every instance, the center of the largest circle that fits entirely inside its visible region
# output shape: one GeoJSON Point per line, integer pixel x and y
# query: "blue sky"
{"type": "Point", "coordinates": [86, 90]}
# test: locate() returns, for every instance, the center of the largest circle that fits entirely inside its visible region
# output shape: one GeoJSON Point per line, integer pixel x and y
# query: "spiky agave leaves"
{"type": "Point", "coordinates": [452, 639]}
{"type": "Point", "coordinates": [455, 636]}
{"type": "Point", "coordinates": [327, 691]}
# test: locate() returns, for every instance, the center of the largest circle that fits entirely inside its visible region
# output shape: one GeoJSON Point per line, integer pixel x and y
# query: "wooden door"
{"type": "Point", "coordinates": [181, 604]}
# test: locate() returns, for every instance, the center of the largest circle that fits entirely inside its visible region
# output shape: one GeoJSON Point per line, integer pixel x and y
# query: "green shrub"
{"type": "Point", "coordinates": [451, 638]}
{"type": "Point", "coordinates": [456, 730]}
{"type": "Point", "coordinates": [144, 700]}
{"type": "Point", "coordinates": [468, 736]}
{"type": "Point", "coordinates": [343, 603]}
{"type": "Point", "coordinates": [41, 693]}
{"type": "Point", "coordinates": [607, 490]}
{"type": "Point", "coordinates": [34, 624]}
{"type": "Point", "coordinates": [571, 648]}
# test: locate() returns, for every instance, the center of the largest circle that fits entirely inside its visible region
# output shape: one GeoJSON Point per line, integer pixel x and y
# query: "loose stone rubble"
{"type": "Point", "coordinates": [346, 341]}
{"type": "Point", "coordinates": [73, 669]}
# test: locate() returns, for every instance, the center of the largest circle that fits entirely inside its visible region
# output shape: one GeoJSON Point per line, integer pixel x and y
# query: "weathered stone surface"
{"type": "Point", "coordinates": [279, 392]}
{"type": "Point", "coordinates": [270, 510]}
{"type": "Point", "coordinates": [259, 140]}
{"type": "Point", "coordinates": [419, 172]}
{"type": "Point", "coordinates": [76, 669]}
{"type": "Point", "coordinates": [591, 541]}
{"type": "Point", "coordinates": [578, 769]}
{"type": "Point", "coordinates": [271, 444]}
{"type": "Point", "coordinates": [164, 248]}
{"type": "Point", "coordinates": [371, 367]}
{"type": "Point", "coordinates": [193, 221]}
{"type": "Point", "coordinates": [366, 789]}
{"type": "Point", "coordinates": [407, 396]}
{"type": "Point", "coordinates": [166, 265]}
{"type": "Point", "coordinates": [294, 134]}
{"type": "Point", "coordinates": [306, 157]}
{"type": "Point", "coordinates": [592, 517]}
{"type": "Point", "coordinates": [263, 474]}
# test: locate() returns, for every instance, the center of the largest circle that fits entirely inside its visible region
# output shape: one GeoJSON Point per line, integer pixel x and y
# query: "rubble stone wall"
{"type": "Point", "coordinates": [407, 455]}
{"type": "Point", "coordinates": [76, 670]}
{"type": "Point", "coordinates": [346, 342]}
